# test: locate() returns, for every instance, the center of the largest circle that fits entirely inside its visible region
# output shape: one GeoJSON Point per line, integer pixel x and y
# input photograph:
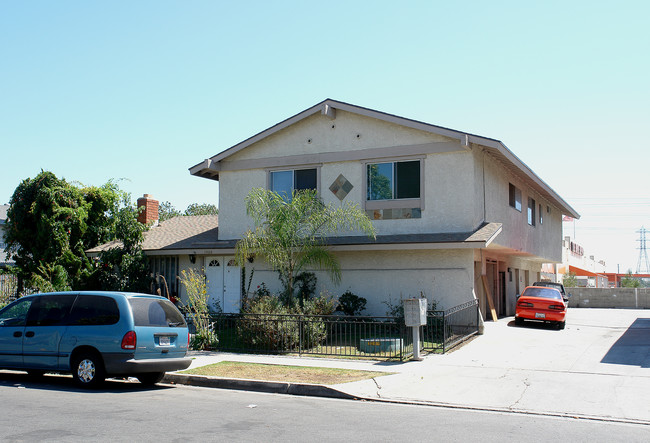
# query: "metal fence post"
{"type": "Point", "coordinates": [300, 333]}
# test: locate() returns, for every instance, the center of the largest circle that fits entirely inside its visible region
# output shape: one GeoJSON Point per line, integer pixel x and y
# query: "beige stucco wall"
{"type": "Point", "coordinates": [449, 178]}
{"type": "Point", "coordinates": [379, 276]}
{"type": "Point", "coordinates": [542, 240]}
{"type": "Point", "coordinates": [348, 131]}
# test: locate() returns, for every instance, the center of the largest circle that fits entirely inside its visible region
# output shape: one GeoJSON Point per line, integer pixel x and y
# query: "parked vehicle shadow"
{"type": "Point", "coordinates": [534, 325]}
{"type": "Point", "coordinates": [633, 347]}
{"type": "Point", "coordinates": [59, 382]}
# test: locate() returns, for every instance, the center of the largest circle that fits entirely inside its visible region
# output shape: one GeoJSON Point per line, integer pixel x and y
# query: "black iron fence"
{"type": "Point", "coordinates": [341, 336]}
{"type": "Point", "coordinates": [455, 325]}
{"type": "Point", "coordinates": [8, 288]}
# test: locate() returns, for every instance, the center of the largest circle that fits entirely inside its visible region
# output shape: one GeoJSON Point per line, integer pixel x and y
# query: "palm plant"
{"type": "Point", "coordinates": [290, 233]}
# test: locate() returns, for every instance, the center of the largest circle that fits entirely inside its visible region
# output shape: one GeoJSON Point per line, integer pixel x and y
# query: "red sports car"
{"type": "Point", "coordinates": [541, 304]}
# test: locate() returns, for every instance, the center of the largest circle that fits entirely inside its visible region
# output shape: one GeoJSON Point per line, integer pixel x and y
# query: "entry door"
{"type": "Point", "coordinates": [224, 283]}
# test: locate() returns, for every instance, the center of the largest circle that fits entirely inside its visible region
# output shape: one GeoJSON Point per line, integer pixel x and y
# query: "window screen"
{"type": "Point", "coordinates": [407, 183]}
{"type": "Point", "coordinates": [304, 179]}
{"type": "Point", "coordinates": [285, 182]}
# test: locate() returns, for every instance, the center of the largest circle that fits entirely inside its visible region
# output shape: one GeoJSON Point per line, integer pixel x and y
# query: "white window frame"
{"type": "Point", "coordinates": [517, 194]}
{"type": "Point", "coordinates": [269, 171]}
{"type": "Point", "coordinates": [395, 203]}
{"type": "Point", "coordinates": [530, 212]}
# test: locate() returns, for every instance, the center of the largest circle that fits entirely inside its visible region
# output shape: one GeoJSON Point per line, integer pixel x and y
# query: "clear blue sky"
{"type": "Point", "coordinates": [144, 90]}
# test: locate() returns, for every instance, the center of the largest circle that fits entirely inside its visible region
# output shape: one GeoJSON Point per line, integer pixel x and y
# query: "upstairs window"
{"type": "Point", "coordinates": [515, 197]}
{"type": "Point", "coordinates": [531, 211]}
{"type": "Point", "coordinates": [393, 180]}
{"type": "Point", "coordinates": [287, 181]}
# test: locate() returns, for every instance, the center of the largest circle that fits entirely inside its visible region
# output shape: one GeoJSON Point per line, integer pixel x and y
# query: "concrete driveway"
{"type": "Point", "coordinates": [598, 367]}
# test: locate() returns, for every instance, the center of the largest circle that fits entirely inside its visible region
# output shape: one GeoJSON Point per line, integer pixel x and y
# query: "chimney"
{"type": "Point", "coordinates": [150, 212]}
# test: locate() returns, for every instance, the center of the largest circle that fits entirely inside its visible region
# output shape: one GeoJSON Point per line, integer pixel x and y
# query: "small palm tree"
{"type": "Point", "coordinates": [289, 233]}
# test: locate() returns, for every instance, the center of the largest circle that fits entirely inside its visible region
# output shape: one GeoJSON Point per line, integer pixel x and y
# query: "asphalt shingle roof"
{"type": "Point", "coordinates": [185, 232]}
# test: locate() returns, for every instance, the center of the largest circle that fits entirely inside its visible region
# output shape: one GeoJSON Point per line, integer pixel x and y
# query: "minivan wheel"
{"type": "Point", "coordinates": [88, 370]}
{"type": "Point", "coordinates": [150, 378]}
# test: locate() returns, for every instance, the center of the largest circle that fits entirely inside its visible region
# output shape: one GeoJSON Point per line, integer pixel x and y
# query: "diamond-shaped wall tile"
{"type": "Point", "coordinates": [341, 187]}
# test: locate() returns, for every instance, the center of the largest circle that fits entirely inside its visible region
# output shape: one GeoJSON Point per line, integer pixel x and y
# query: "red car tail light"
{"type": "Point", "coordinates": [525, 304]}
{"type": "Point", "coordinates": [129, 340]}
{"type": "Point", "coordinates": [556, 307]}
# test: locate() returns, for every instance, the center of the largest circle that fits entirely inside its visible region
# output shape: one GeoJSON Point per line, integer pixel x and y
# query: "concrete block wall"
{"type": "Point", "coordinates": [637, 298]}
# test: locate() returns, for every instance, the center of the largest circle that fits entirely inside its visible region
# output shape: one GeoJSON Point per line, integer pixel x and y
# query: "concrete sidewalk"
{"type": "Point", "coordinates": [598, 367]}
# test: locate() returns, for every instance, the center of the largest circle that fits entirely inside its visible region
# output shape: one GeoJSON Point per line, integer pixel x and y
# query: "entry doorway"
{"type": "Point", "coordinates": [224, 283]}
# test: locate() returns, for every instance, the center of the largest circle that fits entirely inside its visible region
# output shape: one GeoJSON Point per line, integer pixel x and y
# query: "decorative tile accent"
{"type": "Point", "coordinates": [394, 214]}
{"type": "Point", "coordinates": [341, 187]}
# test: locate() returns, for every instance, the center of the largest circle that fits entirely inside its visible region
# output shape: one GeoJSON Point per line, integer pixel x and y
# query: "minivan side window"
{"type": "Point", "coordinates": [50, 310]}
{"type": "Point", "coordinates": [94, 310]}
{"type": "Point", "coordinates": [16, 315]}
{"type": "Point", "coordinates": [155, 312]}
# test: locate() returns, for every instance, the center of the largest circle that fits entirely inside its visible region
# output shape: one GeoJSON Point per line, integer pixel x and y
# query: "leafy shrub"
{"type": "Point", "coordinates": [275, 327]}
{"type": "Point", "coordinates": [197, 306]}
{"type": "Point", "coordinates": [351, 304]}
{"type": "Point", "coordinates": [267, 328]}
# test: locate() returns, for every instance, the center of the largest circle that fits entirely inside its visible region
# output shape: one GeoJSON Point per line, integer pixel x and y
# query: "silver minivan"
{"type": "Point", "coordinates": [94, 335]}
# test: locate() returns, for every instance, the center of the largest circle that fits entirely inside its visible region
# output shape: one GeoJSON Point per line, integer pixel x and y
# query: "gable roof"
{"type": "Point", "coordinates": [209, 168]}
{"type": "Point", "coordinates": [174, 235]}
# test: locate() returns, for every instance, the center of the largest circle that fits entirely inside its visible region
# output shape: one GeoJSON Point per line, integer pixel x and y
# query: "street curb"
{"type": "Point", "coordinates": [269, 387]}
{"type": "Point", "coordinates": [310, 390]}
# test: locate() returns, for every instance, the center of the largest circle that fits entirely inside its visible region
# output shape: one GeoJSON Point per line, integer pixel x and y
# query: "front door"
{"type": "Point", "coordinates": [224, 283]}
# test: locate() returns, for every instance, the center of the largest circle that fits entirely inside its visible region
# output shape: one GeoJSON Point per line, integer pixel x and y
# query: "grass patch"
{"type": "Point", "coordinates": [284, 373]}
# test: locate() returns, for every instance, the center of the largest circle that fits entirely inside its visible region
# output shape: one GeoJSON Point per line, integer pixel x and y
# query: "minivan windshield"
{"type": "Point", "coordinates": [155, 312]}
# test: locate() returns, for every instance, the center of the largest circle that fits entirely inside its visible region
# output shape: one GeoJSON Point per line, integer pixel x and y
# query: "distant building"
{"type": "Point", "coordinates": [589, 272]}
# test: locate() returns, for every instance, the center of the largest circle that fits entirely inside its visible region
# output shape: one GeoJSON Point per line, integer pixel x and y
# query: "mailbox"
{"type": "Point", "coordinates": [415, 311]}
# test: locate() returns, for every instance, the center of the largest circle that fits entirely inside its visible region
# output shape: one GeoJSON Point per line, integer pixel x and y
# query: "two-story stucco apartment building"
{"type": "Point", "coordinates": [449, 207]}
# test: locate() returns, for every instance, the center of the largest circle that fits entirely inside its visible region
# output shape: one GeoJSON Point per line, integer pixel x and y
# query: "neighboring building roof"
{"type": "Point", "coordinates": [210, 168]}
{"type": "Point", "coordinates": [183, 232]}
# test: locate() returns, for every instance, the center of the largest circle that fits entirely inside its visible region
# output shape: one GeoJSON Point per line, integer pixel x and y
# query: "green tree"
{"type": "Point", "coordinates": [290, 235]}
{"type": "Point", "coordinates": [125, 267]}
{"type": "Point", "coordinates": [166, 210]}
{"type": "Point", "coordinates": [629, 281]}
{"type": "Point", "coordinates": [570, 280]}
{"type": "Point", "coordinates": [51, 223]}
{"type": "Point", "coordinates": [201, 209]}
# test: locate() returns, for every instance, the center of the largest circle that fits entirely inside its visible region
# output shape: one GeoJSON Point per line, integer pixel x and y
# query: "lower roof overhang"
{"type": "Point", "coordinates": [480, 238]}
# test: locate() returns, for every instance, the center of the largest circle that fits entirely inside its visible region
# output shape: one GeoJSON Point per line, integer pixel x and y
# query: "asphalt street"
{"type": "Point", "coordinates": [55, 410]}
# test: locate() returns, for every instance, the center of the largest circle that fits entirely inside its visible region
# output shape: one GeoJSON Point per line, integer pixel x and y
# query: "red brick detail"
{"type": "Point", "coordinates": [150, 212]}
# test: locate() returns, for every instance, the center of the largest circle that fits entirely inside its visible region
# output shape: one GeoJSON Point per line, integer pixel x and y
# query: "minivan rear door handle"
{"type": "Point", "coordinates": [29, 334]}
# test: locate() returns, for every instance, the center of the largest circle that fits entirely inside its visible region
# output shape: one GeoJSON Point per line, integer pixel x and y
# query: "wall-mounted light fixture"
{"type": "Point", "coordinates": [192, 258]}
